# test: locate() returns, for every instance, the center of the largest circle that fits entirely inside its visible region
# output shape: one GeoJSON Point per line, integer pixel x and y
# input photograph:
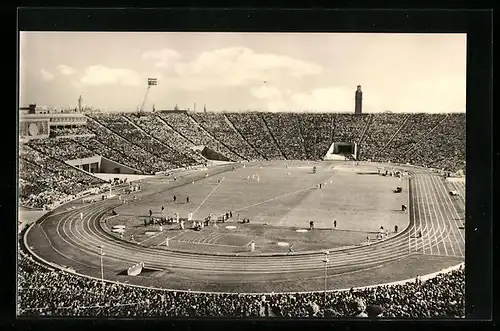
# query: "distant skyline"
{"type": "Point", "coordinates": [316, 72]}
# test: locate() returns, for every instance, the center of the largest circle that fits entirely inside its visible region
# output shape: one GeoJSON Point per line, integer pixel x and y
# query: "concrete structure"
{"type": "Point", "coordinates": [358, 108]}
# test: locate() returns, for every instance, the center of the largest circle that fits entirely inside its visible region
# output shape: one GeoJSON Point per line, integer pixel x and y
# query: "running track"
{"type": "Point", "coordinates": [66, 240]}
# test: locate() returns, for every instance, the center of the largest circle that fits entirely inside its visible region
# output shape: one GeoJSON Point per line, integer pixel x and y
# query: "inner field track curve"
{"type": "Point", "coordinates": [73, 242]}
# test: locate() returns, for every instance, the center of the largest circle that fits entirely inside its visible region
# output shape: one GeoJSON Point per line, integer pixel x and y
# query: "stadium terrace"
{"type": "Point", "coordinates": [102, 172]}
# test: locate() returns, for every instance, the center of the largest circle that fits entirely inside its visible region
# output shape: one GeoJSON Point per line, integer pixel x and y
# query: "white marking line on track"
{"type": "Point", "coordinates": [453, 209]}
{"type": "Point", "coordinates": [461, 190]}
{"type": "Point", "coordinates": [446, 212]}
{"type": "Point", "coordinates": [57, 251]}
{"type": "Point", "coordinates": [436, 236]}
{"type": "Point", "coordinates": [93, 248]}
{"type": "Point", "coordinates": [444, 216]}
{"type": "Point", "coordinates": [423, 217]}
{"type": "Point", "coordinates": [200, 243]}
{"type": "Point", "coordinates": [153, 236]}
{"type": "Point", "coordinates": [418, 204]}
{"type": "Point", "coordinates": [413, 208]}
{"type": "Point", "coordinates": [217, 237]}
{"type": "Point", "coordinates": [275, 198]}
{"type": "Point", "coordinates": [435, 208]}
{"type": "Point", "coordinates": [93, 223]}
{"type": "Point", "coordinates": [87, 220]}
{"type": "Point", "coordinates": [437, 233]}
{"type": "Point", "coordinates": [429, 214]}
{"type": "Point", "coordinates": [91, 242]}
{"type": "Point", "coordinates": [208, 196]}
{"type": "Point", "coordinates": [210, 236]}
{"type": "Point", "coordinates": [159, 233]}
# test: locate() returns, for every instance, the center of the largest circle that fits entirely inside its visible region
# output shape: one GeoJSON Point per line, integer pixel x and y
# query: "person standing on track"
{"type": "Point", "coordinates": [187, 200]}
{"type": "Point", "coordinates": [334, 224]}
{"type": "Point", "coordinates": [175, 198]}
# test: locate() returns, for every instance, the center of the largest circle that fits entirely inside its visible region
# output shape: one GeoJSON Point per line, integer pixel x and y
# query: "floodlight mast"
{"type": "Point", "coordinates": [151, 82]}
{"type": "Point", "coordinates": [144, 100]}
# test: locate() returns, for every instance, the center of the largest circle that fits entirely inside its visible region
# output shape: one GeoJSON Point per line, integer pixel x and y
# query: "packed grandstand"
{"type": "Point", "coordinates": [48, 292]}
{"type": "Point", "coordinates": [164, 141]}
{"type": "Point", "coordinates": [158, 142]}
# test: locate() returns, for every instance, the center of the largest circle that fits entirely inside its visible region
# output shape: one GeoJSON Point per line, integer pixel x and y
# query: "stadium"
{"type": "Point", "coordinates": [183, 213]}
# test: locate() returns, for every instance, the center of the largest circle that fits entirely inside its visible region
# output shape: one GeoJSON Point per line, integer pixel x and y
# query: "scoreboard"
{"type": "Point", "coordinates": [34, 128]}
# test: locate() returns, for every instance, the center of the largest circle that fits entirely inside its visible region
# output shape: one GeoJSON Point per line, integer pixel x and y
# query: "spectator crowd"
{"type": "Point", "coordinates": [44, 179]}
{"type": "Point", "coordinates": [159, 142]}
{"type": "Point", "coordinates": [255, 132]}
{"type": "Point", "coordinates": [44, 291]}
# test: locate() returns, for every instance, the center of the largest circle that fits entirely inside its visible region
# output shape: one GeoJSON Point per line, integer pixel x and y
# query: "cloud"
{"type": "Point", "coordinates": [47, 76]}
{"type": "Point", "coordinates": [164, 57]}
{"type": "Point", "coordinates": [101, 75]}
{"type": "Point", "coordinates": [237, 66]}
{"type": "Point", "coordinates": [337, 99]}
{"type": "Point", "coordinates": [325, 99]}
{"type": "Point", "coordinates": [266, 92]}
{"type": "Point", "coordinates": [66, 70]}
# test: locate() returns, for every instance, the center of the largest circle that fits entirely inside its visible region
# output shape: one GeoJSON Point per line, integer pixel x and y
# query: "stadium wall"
{"type": "Point", "coordinates": [112, 167]}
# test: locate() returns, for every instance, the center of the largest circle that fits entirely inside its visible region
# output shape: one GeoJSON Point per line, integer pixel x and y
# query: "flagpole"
{"type": "Point", "coordinates": [102, 270]}
{"type": "Point", "coordinates": [325, 260]}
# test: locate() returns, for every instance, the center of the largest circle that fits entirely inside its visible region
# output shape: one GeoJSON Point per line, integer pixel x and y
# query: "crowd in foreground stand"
{"type": "Point", "coordinates": [48, 292]}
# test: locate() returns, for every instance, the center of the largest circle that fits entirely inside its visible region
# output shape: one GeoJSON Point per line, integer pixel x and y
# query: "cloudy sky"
{"type": "Point", "coordinates": [245, 71]}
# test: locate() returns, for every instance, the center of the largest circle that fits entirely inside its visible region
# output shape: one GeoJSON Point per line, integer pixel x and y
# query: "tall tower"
{"type": "Point", "coordinates": [359, 101]}
{"type": "Point", "coordinates": [80, 104]}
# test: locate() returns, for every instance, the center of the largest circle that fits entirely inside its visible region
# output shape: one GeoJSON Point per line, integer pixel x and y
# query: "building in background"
{"type": "Point", "coordinates": [36, 123]}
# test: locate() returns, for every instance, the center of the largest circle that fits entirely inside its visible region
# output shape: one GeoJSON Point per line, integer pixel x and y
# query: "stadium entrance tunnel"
{"type": "Point", "coordinates": [211, 155]}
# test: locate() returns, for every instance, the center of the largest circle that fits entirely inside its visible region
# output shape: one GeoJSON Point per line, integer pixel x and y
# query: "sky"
{"type": "Point", "coordinates": [306, 72]}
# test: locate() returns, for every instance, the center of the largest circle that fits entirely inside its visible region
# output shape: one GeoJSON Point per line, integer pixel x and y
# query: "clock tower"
{"type": "Point", "coordinates": [359, 101]}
